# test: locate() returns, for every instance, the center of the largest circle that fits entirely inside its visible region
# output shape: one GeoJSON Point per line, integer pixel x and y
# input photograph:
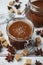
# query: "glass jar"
{"type": "Point", "coordinates": [18, 43]}
{"type": "Point", "coordinates": [34, 12]}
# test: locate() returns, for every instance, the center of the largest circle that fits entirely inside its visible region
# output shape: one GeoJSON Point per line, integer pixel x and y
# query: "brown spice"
{"type": "Point", "coordinates": [9, 7]}
{"type": "Point", "coordinates": [9, 57]}
{"type": "Point", "coordinates": [17, 6]}
{"type": "Point", "coordinates": [38, 63]}
{"type": "Point", "coordinates": [40, 32]}
{"type": "Point", "coordinates": [11, 49]}
{"type": "Point", "coordinates": [17, 0]}
{"type": "Point", "coordinates": [39, 52]}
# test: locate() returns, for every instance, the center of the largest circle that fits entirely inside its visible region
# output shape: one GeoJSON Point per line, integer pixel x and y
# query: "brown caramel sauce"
{"type": "Point", "coordinates": [36, 17]}
{"type": "Point", "coordinates": [20, 30]}
{"type": "Point", "coordinates": [38, 3]}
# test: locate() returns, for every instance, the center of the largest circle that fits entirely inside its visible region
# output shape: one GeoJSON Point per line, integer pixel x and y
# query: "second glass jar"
{"type": "Point", "coordinates": [34, 12]}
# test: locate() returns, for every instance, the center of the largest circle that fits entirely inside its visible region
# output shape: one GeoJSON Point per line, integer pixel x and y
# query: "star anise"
{"type": "Point", "coordinates": [38, 32]}
{"type": "Point", "coordinates": [11, 49]}
{"type": "Point", "coordinates": [9, 57]}
{"type": "Point", "coordinates": [39, 52]}
{"type": "Point", "coordinates": [9, 7]}
{"type": "Point", "coordinates": [0, 46]}
{"type": "Point", "coordinates": [17, 6]}
{"type": "Point", "coordinates": [38, 63]}
{"type": "Point", "coordinates": [17, 0]}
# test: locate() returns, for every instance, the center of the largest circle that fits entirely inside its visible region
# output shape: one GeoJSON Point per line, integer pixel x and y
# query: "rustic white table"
{"type": "Point", "coordinates": [3, 10]}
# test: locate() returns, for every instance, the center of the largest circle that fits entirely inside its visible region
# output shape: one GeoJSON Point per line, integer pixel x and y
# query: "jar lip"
{"type": "Point", "coordinates": [18, 39]}
{"type": "Point", "coordinates": [36, 7]}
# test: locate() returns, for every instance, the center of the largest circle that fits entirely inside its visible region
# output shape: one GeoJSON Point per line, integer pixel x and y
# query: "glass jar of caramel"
{"type": "Point", "coordinates": [19, 32]}
{"type": "Point", "coordinates": [34, 12]}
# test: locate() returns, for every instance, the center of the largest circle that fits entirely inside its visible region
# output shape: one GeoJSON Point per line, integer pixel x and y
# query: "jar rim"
{"type": "Point", "coordinates": [36, 7]}
{"type": "Point", "coordinates": [14, 38]}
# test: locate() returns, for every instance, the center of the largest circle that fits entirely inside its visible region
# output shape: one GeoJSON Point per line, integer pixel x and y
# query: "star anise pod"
{"type": "Point", "coordinates": [0, 46]}
{"type": "Point", "coordinates": [17, 6]}
{"type": "Point", "coordinates": [38, 32]}
{"type": "Point", "coordinates": [9, 7]}
{"type": "Point", "coordinates": [9, 57]}
{"type": "Point", "coordinates": [38, 63]}
{"type": "Point", "coordinates": [39, 52]}
{"type": "Point", "coordinates": [17, 0]}
{"type": "Point", "coordinates": [11, 49]}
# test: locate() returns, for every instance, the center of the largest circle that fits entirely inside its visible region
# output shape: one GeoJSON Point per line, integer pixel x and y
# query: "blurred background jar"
{"type": "Point", "coordinates": [34, 12]}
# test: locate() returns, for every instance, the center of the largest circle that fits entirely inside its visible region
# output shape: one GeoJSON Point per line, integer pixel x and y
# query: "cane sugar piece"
{"type": "Point", "coordinates": [25, 52]}
{"type": "Point", "coordinates": [2, 39]}
{"type": "Point", "coordinates": [11, 3]}
{"type": "Point", "coordinates": [18, 57]}
{"type": "Point", "coordinates": [12, 10]}
{"type": "Point", "coordinates": [38, 40]}
{"type": "Point", "coordinates": [1, 34]}
{"type": "Point", "coordinates": [29, 61]}
{"type": "Point", "coordinates": [18, 12]}
{"type": "Point", "coordinates": [5, 44]}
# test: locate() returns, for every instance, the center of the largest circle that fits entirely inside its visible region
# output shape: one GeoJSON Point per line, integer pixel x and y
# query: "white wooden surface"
{"type": "Point", "coordinates": [3, 10]}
